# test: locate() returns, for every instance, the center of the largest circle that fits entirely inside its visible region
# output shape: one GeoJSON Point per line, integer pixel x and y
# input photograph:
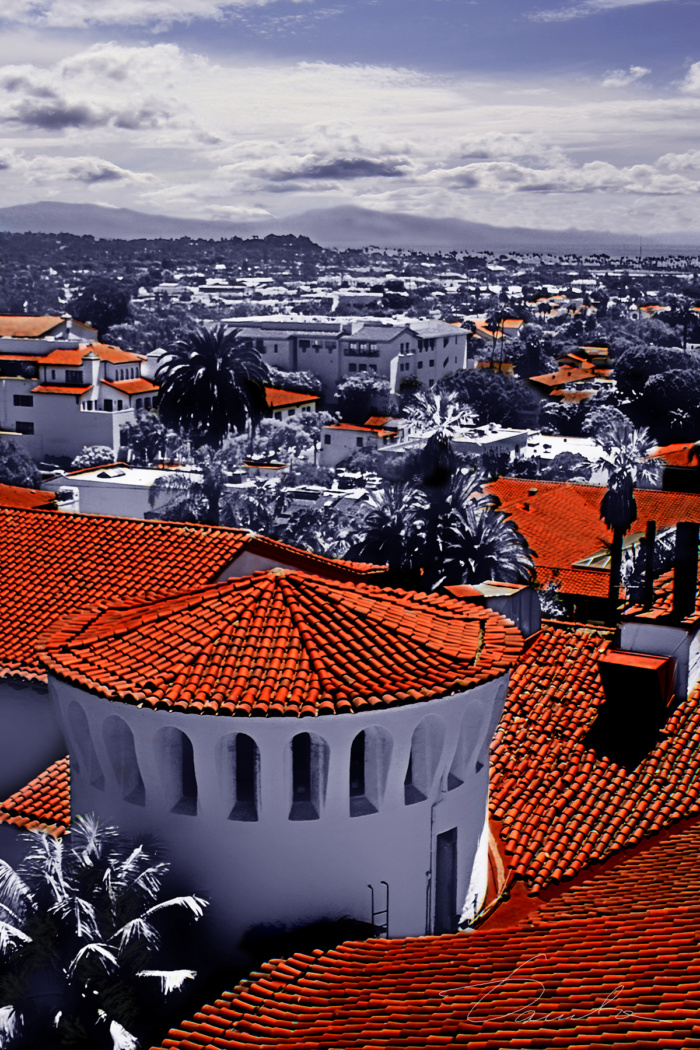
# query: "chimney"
{"type": "Point", "coordinates": [649, 548]}
{"type": "Point", "coordinates": [685, 574]}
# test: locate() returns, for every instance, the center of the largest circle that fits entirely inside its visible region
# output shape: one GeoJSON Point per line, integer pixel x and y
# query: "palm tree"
{"type": "Point", "coordinates": [393, 530]}
{"type": "Point", "coordinates": [484, 544]}
{"type": "Point", "coordinates": [211, 382]}
{"type": "Point", "coordinates": [78, 927]}
{"type": "Point", "coordinates": [627, 454]}
{"type": "Point", "coordinates": [198, 493]}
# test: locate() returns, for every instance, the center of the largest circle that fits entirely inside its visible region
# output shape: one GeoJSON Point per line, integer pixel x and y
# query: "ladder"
{"type": "Point", "coordinates": [380, 929]}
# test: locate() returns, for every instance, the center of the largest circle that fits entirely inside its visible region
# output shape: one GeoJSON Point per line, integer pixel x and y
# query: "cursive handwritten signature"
{"type": "Point", "coordinates": [527, 1014]}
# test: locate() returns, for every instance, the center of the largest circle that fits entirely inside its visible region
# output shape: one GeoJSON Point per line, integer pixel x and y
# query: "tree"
{"type": "Point", "coordinates": [102, 302]}
{"type": "Point", "coordinates": [92, 456]}
{"type": "Point", "coordinates": [393, 531]}
{"type": "Point", "coordinates": [304, 382]}
{"type": "Point", "coordinates": [16, 467]}
{"type": "Point", "coordinates": [361, 396]}
{"type": "Point", "coordinates": [493, 396]}
{"type": "Point", "coordinates": [147, 442]}
{"type": "Point", "coordinates": [626, 452]}
{"type": "Point", "coordinates": [211, 382]}
{"type": "Point", "coordinates": [198, 493]}
{"type": "Point", "coordinates": [79, 930]}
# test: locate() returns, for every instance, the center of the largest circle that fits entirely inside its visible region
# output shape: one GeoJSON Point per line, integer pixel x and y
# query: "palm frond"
{"type": "Point", "coordinates": [14, 892]}
{"type": "Point", "coordinates": [170, 980]}
{"type": "Point", "coordinates": [195, 904]}
{"type": "Point", "coordinates": [11, 936]}
{"type": "Point", "coordinates": [101, 951]}
{"type": "Point", "coordinates": [137, 929]}
{"type": "Point", "coordinates": [121, 1039]}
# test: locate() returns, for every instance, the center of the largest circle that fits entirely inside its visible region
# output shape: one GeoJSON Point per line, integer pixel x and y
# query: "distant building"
{"type": "Point", "coordinates": [341, 440]}
{"type": "Point", "coordinates": [61, 390]}
{"type": "Point", "coordinates": [284, 404]}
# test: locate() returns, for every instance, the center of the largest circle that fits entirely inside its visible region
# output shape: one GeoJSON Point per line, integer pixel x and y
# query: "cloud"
{"type": "Point", "coordinates": [691, 84]}
{"type": "Point", "coordinates": [43, 168]}
{"type": "Point", "coordinates": [587, 8]}
{"type": "Point", "coordinates": [342, 168]}
{"type": "Point", "coordinates": [79, 14]}
{"type": "Point", "coordinates": [619, 78]}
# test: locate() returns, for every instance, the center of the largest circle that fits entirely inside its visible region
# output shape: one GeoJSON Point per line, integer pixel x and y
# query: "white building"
{"type": "Point", "coordinates": [341, 440]}
{"type": "Point", "coordinates": [346, 744]}
{"type": "Point", "coordinates": [61, 390]}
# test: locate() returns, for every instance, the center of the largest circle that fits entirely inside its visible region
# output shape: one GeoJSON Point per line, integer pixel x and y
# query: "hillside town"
{"type": "Point", "coordinates": [350, 604]}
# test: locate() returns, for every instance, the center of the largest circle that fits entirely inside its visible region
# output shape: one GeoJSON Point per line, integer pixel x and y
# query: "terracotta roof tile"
{"type": "Point", "coordinates": [55, 564]}
{"type": "Point", "coordinates": [114, 354]}
{"type": "Point", "coordinates": [30, 499]}
{"type": "Point", "coordinates": [43, 388]}
{"type": "Point", "coordinates": [610, 963]}
{"type": "Point", "coordinates": [132, 386]}
{"type": "Point", "coordinates": [284, 398]}
{"type": "Point", "coordinates": [561, 523]}
{"type": "Point", "coordinates": [22, 327]}
{"type": "Point", "coordinates": [44, 803]}
{"type": "Point", "coordinates": [560, 804]}
{"type": "Point", "coordinates": [281, 643]}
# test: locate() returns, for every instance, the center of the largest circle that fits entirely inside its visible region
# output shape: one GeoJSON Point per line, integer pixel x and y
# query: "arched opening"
{"type": "Point", "coordinates": [176, 762]}
{"type": "Point", "coordinates": [119, 742]}
{"type": "Point", "coordinates": [241, 775]}
{"type": "Point", "coordinates": [309, 776]}
{"type": "Point", "coordinates": [370, 755]}
{"type": "Point", "coordinates": [85, 761]}
{"type": "Point", "coordinates": [469, 738]}
{"type": "Point", "coordinates": [426, 749]}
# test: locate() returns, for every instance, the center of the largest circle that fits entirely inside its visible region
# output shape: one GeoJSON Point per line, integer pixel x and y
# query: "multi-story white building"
{"type": "Point", "coordinates": [60, 389]}
{"type": "Point", "coordinates": [423, 350]}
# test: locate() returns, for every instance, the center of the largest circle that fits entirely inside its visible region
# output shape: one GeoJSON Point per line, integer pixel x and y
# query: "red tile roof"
{"type": "Point", "coordinates": [561, 523]}
{"type": "Point", "coordinates": [75, 390]}
{"type": "Point", "coordinates": [31, 499]}
{"type": "Point", "coordinates": [132, 386]}
{"type": "Point", "coordinates": [378, 430]}
{"type": "Point", "coordinates": [562, 376]}
{"type": "Point", "coordinates": [610, 963]}
{"type": "Point", "coordinates": [114, 354]}
{"type": "Point", "coordinates": [22, 327]}
{"type": "Point", "coordinates": [675, 455]}
{"type": "Point", "coordinates": [44, 803]}
{"type": "Point", "coordinates": [562, 805]}
{"type": "Point", "coordinates": [285, 398]}
{"type": "Point", "coordinates": [281, 643]}
{"type": "Point", "coordinates": [54, 564]}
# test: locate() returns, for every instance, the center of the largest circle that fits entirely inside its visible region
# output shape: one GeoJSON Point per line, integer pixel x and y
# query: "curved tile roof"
{"type": "Point", "coordinates": [55, 564]}
{"type": "Point", "coordinates": [281, 643]}
{"type": "Point", "coordinates": [610, 963]}
{"type": "Point", "coordinates": [44, 803]}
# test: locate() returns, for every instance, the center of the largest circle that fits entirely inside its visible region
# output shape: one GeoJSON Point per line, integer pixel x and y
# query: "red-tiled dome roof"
{"type": "Point", "coordinates": [282, 643]}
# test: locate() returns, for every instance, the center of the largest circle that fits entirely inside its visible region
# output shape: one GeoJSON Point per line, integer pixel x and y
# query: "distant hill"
{"type": "Point", "coordinates": [342, 227]}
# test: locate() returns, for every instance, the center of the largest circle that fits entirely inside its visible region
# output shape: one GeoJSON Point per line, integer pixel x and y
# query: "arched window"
{"type": "Point", "coordinates": [309, 776]}
{"type": "Point", "coordinates": [85, 761]}
{"type": "Point", "coordinates": [241, 774]}
{"type": "Point", "coordinates": [119, 742]}
{"type": "Point", "coordinates": [469, 740]}
{"type": "Point", "coordinates": [176, 763]}
{"type": "Point", "coordinates": [370, 755]}
{"type": "Point", "coordinates": [426, 749]}
{"type": "Point", "coordinates": [147, 402]}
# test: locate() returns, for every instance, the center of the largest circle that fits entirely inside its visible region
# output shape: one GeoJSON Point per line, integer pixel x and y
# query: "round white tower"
{"type": "Point", "coordinates": [293, 741]}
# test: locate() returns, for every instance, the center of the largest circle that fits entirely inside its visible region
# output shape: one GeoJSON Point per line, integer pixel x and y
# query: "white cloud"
{"type": "Point", "coordinates": [691, 84]}
{"type": "Point", "coordinates": [619, 78]}
{"type": "Point", "coordinates": [87, 170]}
{"type": "Point", "coordinates": [78, 14]}
{"type": "Point", "coordinates": [587, 8]}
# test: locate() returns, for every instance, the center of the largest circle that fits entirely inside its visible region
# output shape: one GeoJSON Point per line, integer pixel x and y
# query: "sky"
{"type": "Point", "coordinates": [540, 113]}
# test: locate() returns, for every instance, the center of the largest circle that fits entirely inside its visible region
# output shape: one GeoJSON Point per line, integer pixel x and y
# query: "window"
{"type": "Point", "coordinates": [242, 774]}
{"type": "Point", "coordinates": [420, 364]}
{"type": "Point", "coordinates": [352, 367]}
{"type": "Point", "coordinates": [371, 368]}
{"type": "Point", "coordinates": [24, 428]}
{"type": "Point", "coordinates": [304, 344]}
{"type": "Point", "coordinates": [309, 774]}
{"type": "Point", "coordinates": [373, 346]}
{"type": "Point", "coordinates": [326, 439]}
{"type": "Point", "coordinates": [278, 415]}
{"type": "Point", "coordinates": [23, 400]}
{"type": "Point", "coordinates": [426, 748]}
{"type": "Point", "coordinates": [109, 404]}
{"type": "Point", "coordinates": [369, 765]}
{"type": "Point", "coordinates": [445, 340]}
{"type": "Point", "coordinates": [446, 362]}
{"type": "Point", "coordinates": [359, 442]}
{"type": "Point", "coordinates": [363, 368]}
{"type": "Point", "coordinates": [176, 763]}
{"type": "Point", "coordinates": [291, 412]}
{"type": "Point", "coordinates": [431, 362]}
{"type": "Point", "coordinates": [119, 742]}
{"type": "Point", "coordinates": [275, 347]}
{"type": "Point", "coordinates": [146, 402]}
{"type": "Point", "coordinates": [53, 373]}
{"type": "Point", "coordinates": [120, 405]}
{"type": "Point", "coordinates": [73, 377]}
{"type": "Point", "coordinates": [139, 402]}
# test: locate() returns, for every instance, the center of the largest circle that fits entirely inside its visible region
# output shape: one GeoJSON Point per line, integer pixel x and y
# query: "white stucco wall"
{"type": "Point", "coordinates": [31, 737]}
{"type": "Point", "coordinates": [658, 640]}
{"type": "Point", "coordinates": [277, 870]}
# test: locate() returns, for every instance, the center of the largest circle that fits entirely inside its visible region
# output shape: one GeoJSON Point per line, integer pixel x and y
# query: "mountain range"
{"type": "Point", "coordinates": [340, 227]}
